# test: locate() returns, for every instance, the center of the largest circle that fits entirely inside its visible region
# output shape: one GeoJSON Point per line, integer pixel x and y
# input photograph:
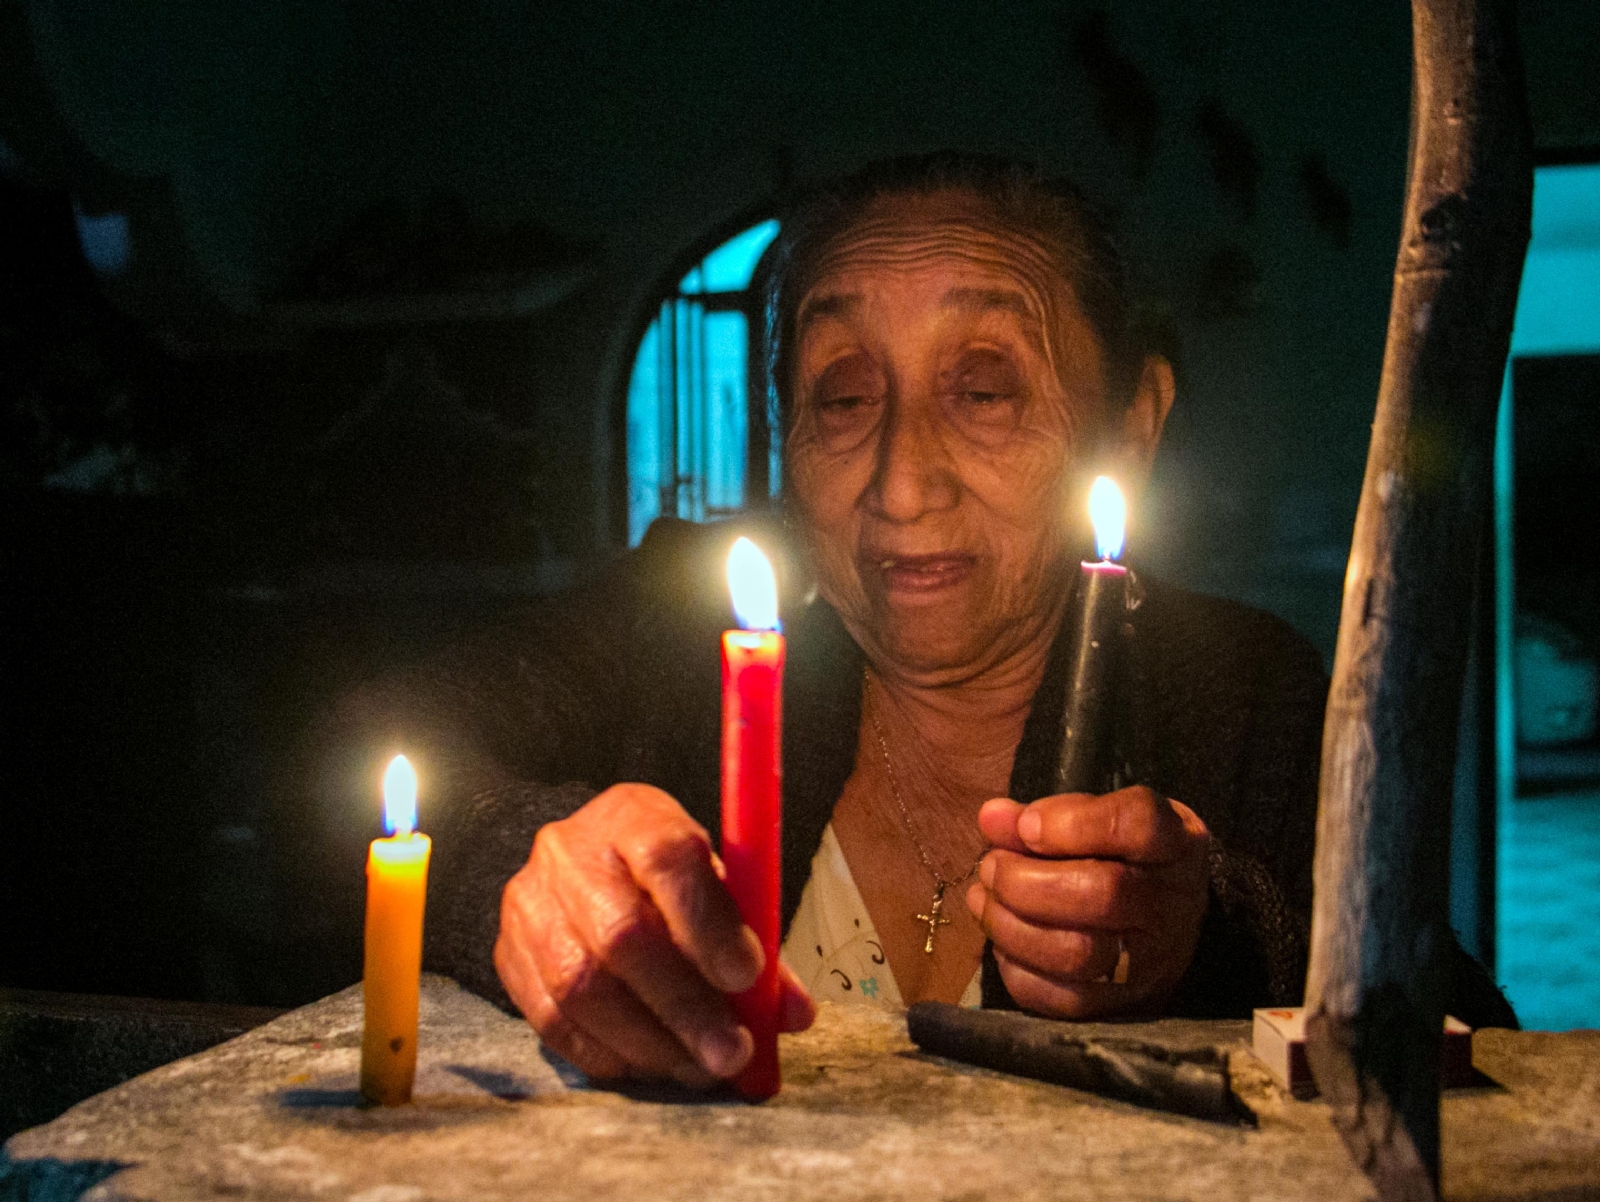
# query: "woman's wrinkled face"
{"type": "Point", "coordinates": [944, 379]}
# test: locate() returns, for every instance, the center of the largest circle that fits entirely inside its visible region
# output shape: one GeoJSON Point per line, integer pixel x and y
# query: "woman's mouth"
{"type": "Point", "coordinates": [920, 573]}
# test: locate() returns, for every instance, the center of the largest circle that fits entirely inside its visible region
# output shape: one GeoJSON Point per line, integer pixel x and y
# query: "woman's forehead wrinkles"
{"type": "Point", "coordinates": [1030, 310]}
{"type": "Point", "coordinates": [906, 245]}
{"type": "Point", "coordinates": [892, 227]}
{"type": "Point", "coordinates": [899, 245]}
{"type": "Point", "coordinates": [1034, 283]}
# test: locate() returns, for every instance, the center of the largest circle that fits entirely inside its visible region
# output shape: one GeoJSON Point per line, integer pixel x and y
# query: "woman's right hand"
{"type": "Point", "coordinates": [618, 941]}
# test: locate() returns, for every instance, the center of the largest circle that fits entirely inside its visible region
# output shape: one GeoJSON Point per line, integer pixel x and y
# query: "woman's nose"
{"type": "Point", "coordinates": [914, 475]}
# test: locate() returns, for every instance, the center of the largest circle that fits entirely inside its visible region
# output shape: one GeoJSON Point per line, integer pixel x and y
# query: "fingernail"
{"type": "Point", "coordinates": [737, 968]}
{"type": "Point", "coordinates": [1030, 826]}
{"type": "Point", "coordinates": [726, 1050]}
{"type": "Point", "coordinates": [986, 871]}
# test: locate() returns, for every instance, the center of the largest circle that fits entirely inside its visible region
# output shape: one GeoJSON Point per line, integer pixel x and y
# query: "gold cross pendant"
{"type": "Point", "coordinates": [933, 918]}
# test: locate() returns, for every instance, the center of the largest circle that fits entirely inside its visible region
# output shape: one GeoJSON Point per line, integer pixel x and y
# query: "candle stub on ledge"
{"type": "Point", "coordinates": [397, 890]}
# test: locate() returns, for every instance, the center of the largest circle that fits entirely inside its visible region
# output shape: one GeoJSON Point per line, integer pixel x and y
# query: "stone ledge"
{"type": "Point", "coordinates": [274, 1114]}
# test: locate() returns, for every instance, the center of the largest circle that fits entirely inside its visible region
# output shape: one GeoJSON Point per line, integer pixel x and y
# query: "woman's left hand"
{"type": "Point", "coordinates": [1075, 882]}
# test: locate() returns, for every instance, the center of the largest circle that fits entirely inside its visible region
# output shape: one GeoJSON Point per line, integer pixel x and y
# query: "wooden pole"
{"type": "Point", "coordinates": [1379, 929]}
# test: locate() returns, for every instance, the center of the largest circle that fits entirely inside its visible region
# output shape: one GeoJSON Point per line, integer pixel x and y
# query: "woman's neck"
{"type": "Point", "coordinates": [959, 740]}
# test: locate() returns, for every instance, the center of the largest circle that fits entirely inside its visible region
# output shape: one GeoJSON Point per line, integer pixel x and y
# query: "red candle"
{"type": "Point", "coordinates": [752, 794]}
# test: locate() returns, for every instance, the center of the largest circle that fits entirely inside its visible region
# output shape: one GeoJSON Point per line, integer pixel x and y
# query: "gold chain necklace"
{"type": "Point", "coordinates": [934, 917]}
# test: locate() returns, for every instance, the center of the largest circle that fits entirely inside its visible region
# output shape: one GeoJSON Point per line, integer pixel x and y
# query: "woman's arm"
{"type": "Point", "coordinates": [567, 884]}
{"type": "Point", "coordinates": [508, 730]}
{"type": "Point", "coordinates": [1255, 940]}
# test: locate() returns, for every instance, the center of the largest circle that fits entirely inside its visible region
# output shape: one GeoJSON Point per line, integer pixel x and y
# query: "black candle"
{"type": "Point", "coordinates": [1099, 610]}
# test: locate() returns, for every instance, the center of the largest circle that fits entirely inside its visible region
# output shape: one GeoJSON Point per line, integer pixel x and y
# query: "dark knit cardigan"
{"type": "Point", "coordinates": [619, 681]}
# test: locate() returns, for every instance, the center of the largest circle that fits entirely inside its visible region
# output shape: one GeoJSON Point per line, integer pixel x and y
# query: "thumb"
{"type": "Point", "coordinates": [998, 822]}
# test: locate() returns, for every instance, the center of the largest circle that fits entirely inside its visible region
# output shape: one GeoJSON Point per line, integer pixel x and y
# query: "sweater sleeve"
{"type": "Point", "coordinates": [1229, 721]}
{"type": "Point", "coordinates": [508, 729]}
{"type": "Point", "coordinates": [489, 842]}
{"type": "Point", "coordinates": [1261, 880]}
{"type": "Point", "coordinates": [1255, 941]}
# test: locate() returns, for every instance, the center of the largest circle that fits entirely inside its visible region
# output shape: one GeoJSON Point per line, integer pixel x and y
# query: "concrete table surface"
{"type": "Point", "coordinates": [274, 1114]}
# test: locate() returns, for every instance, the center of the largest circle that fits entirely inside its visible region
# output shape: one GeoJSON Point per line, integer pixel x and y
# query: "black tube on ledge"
{"type": "Point", "coordinates": [1191, 1081]}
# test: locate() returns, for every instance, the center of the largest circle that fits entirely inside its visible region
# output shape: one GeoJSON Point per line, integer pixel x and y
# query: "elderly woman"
{"type": "Point", "coordinates": [953, 358]}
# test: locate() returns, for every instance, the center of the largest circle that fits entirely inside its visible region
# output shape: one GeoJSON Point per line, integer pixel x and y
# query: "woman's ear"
{"type": "Point", "coordinates": [1146, 414]}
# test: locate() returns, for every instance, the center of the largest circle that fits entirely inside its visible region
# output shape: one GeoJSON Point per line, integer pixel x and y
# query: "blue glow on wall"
{"type": "Point", "coordinates": [1548, 847]}
{"type": "Point", "coordinates": [732, 265]}
{"type": "Point", "coordinates": [644, 437]}
{"type": "Point", "coordinates": [688, 419]}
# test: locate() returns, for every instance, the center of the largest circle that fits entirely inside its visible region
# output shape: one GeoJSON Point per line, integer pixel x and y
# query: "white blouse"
{"type": "Point", "coordinates": [832, 945]}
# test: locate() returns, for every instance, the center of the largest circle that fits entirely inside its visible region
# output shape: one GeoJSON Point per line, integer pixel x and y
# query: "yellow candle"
{"type": "Point", "coordinates": [397, 888]}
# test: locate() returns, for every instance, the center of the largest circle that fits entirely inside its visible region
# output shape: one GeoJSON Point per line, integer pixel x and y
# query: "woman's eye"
{"type": "Point", "coordinates": [843, 419]}
{"type": "Point", "coordinates": [985, 390]}
{"type": "Point", "coordinates": [984, 375]}
{"type": "Point", "coordinates": [844, 399]}
{"type": "Point", "coordinates": [987, 399]}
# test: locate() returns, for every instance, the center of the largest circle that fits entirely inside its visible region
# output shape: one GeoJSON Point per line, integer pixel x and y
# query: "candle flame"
{"type": "Point", "coordinates": [400, 797]}
{"type": "Point", "coordinates": [754, 588]}
{"type": "Point", "coordinates": [1109, 513]}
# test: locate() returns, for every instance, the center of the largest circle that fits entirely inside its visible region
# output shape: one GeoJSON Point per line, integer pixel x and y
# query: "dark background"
{"type": "Point", "coordinates": [1557, 440]}
{"type": "Point", "coordinates": [358, 384]}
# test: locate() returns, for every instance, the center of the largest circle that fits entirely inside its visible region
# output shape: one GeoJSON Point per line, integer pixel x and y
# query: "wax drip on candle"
{"type": "Point", "coordinates": [400, 797]}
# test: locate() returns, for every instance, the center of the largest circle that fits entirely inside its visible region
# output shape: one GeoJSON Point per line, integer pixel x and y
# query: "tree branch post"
{"type": "Point", "coordinates": [1379, 936]}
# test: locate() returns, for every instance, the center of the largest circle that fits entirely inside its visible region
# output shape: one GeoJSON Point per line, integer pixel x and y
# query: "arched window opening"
{"type": "Point", "coordinates": [1518, 851]}
{"type": "Point", "coordinates": [694, 427]}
